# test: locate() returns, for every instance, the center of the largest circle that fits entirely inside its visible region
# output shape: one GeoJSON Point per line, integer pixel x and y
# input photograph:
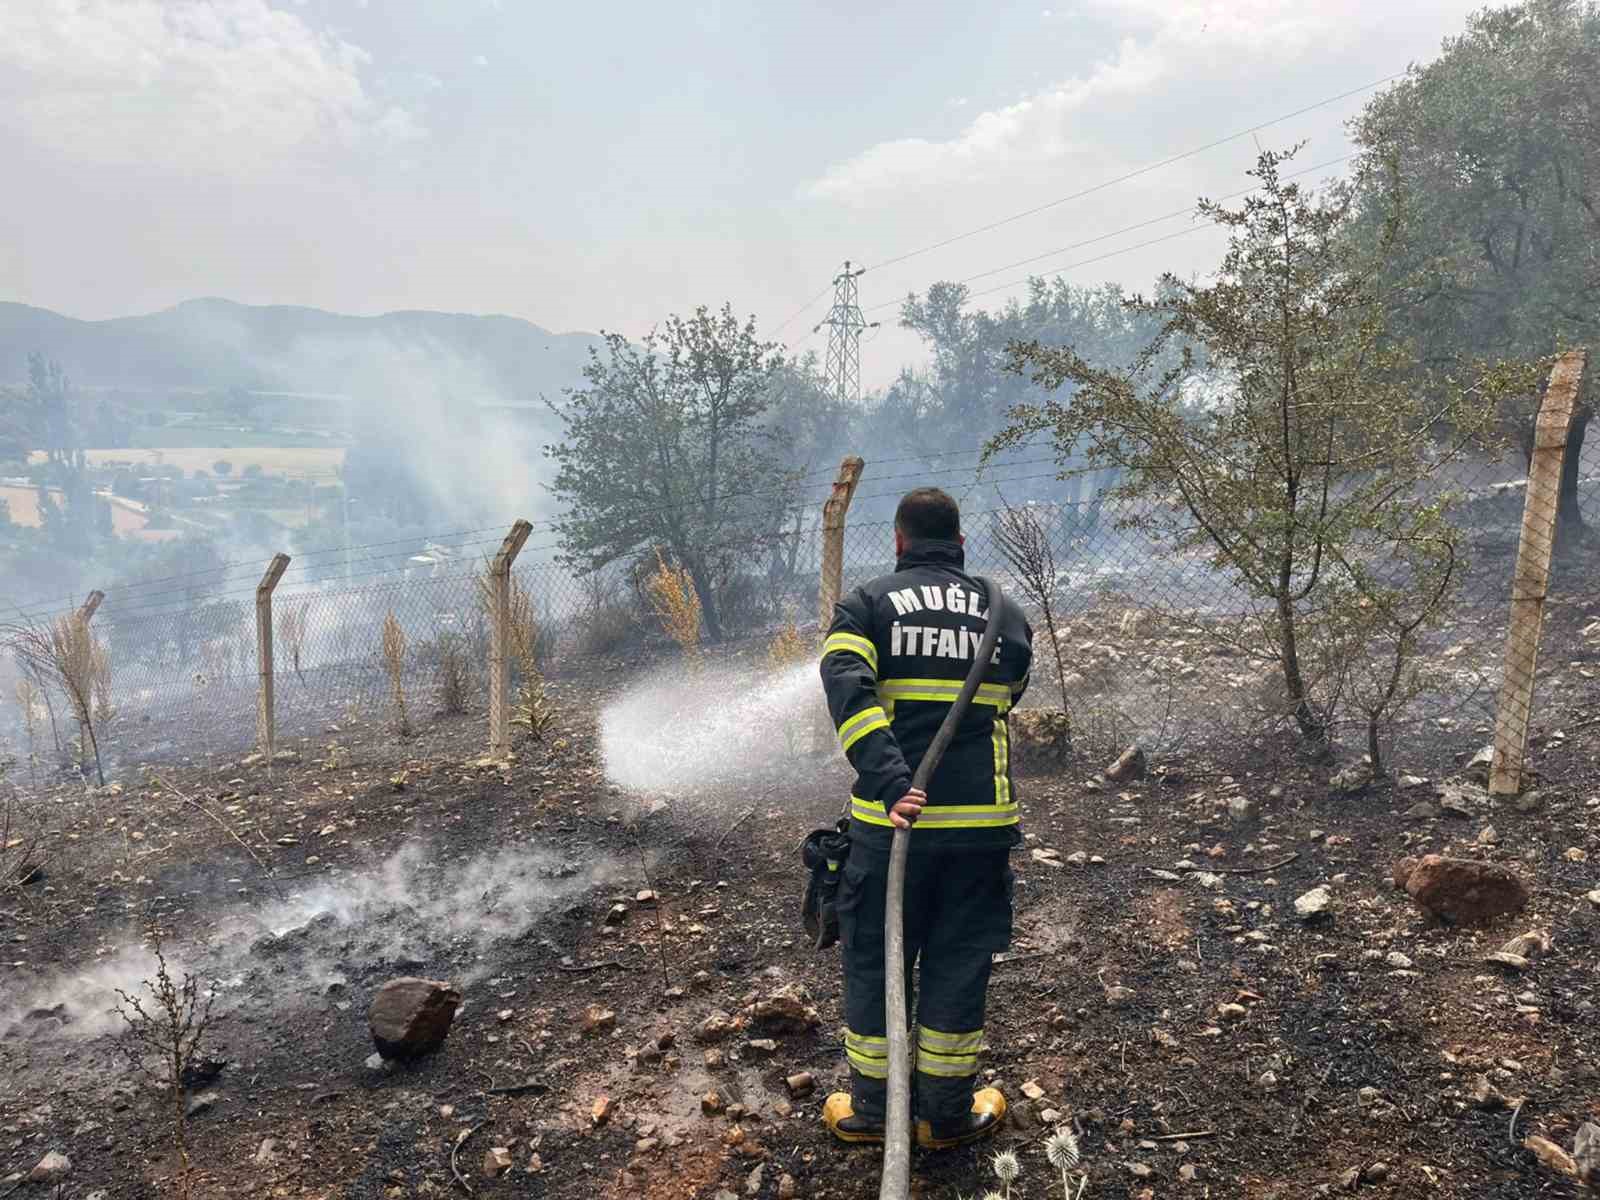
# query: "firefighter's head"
{"type": "Point", "coordinates": [927, 514]}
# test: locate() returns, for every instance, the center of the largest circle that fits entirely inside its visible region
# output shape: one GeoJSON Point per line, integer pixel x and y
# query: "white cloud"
{"type": "Point", "coordinates": [1167, 45]}
{"type": "Point", "coordinates": [1039, 126]}
{"type": "Point", "coordinates": [232, 85]}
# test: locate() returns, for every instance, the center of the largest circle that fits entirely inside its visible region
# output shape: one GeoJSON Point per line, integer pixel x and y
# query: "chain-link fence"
{"type": "Point", "coordinates": [1141, 632]}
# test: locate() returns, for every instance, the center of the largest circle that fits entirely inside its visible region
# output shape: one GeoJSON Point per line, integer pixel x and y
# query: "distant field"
{"type": "Point", "coordinates": [317, 462]}
{"type": "Point", "coordinates": [176, 435]}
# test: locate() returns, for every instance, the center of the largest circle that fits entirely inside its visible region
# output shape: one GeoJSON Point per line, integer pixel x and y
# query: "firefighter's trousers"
{"type": "Point", "coordinates": [957, 915]}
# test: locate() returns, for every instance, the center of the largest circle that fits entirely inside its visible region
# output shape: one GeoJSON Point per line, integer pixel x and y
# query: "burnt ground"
{"type": "Point", "coordinates": [1361, 1042]}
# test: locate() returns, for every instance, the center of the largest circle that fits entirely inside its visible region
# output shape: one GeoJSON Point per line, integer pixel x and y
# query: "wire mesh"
{"type": "Point", "coordinates": [1141, 631]}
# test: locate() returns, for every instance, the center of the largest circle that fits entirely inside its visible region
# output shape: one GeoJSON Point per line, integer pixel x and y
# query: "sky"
{"type": "Point", "coordinates": [599, 166]}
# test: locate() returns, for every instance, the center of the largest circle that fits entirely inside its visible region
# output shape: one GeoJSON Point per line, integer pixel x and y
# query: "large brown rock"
{"type": "Point", "coordinates": [1459, 891]}
{"type": "Point", "coordinates": [410, 1017]}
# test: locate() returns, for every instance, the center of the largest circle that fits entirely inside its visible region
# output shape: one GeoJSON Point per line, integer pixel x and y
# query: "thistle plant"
{"type": "Point", "coordinates": [1061, 1149]}
{"type": "Point", "coordinates": [1006, 1170]}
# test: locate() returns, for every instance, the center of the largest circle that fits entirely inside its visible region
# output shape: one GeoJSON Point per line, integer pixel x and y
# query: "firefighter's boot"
{"type": "Point", "coordinates": [988, 1110]}
{"type": "Point", "coordinates": [839, 1115]}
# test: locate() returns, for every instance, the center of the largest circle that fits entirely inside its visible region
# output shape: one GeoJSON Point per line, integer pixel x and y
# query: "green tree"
{"type": "Point", "coordinates": [1497, 250]}
{"type": "Point", "coordinates": [1299, 457]}
{"type": "Point", "coordinates": [664, 447]}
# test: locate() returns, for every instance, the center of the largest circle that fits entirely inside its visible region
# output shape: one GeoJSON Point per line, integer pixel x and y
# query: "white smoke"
{"type": "Point", "coordinates": [413, 907]}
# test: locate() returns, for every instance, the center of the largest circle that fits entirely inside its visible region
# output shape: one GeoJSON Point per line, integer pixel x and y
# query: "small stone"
{"type": "Point", "coordinates": [1551, 1155]}
{"type": "Point", "coordinates": [1488, 836]}
{"type": "Point", "coordinates": [266, 1153]}
{"type": "Point", "coordinates": [1032, 1090]}
{"type": "Point", "coordinates": [1575, 854]}
{"type": "Point", "coordinates": [597, 1020]}
{"type": "Point", "coordinates": [711, 1103]}
{"type": "Point", "coordinates": [1268, 1081]}
{"type": "Point", "coordinates": [377, 1062]}
{"type": "Point", "coordinates": [752, 1185]}
{"type": "Point", "coordinates": [1586, 1152]}
{"type": "Point", "coordinates": [497, 1161]}
{"type": "Point", "coordinates": [646, 899]}
{"type": "Point", "coordinates": [1314, 904]}
{"type": "Point", "coordinates": [52, 1168]}
{"type": "Point", "coordinates": [1189, 1173]}
{"type": "Point", "coordinates": [647, 1145]}
{"type": "Point", "coordinates": [1500, 958]}
{"type": "Point", "coordinates": [1047, 858]}
{"type": "Point", "coordinates": [1078, 858]}
{"type": "Point", "coordinates": [1529, 802]}
{"type": "Point", "coordinates": [602, 1110]}
{"type": "Point", "coordinates": [504, 1015]}
{"type": "Point", "coordinates": [1376, 1173]}
{"type": "Point", "coordinates": [800, 1084]}
{"type": "Point", "coordinates": [1422, 810]}
{"type": "Point", "coordinates": [616, 914]}
{"type": "Point", "coordinates": [1398, 961]}
{"type": "Point", "coordinates": [1140, 1170]}
{"type": "Point", "coordinates": [1232, 1012]}
{"type": "Point", "coordinates": [786, 1188]}
{"type": "Point", "coordinates": [716, 1027]}
{"type": "Point", "coordinates": [762, 1046]}
{"type": "Point", "coordinates": [1130, 765]}
{"type": "Point", "coordinates": [1242, 810]}
{"type": "Point", "coordinates": [1594, 897]}
{"type": "Point", "coordinates": [1528, 945]}
{"type": "Point", "coordinates": [202, 1102]}
{"type": "Point", "coordinates": [715, 1059]}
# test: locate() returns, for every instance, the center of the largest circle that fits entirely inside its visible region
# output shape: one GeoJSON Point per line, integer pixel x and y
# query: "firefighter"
{"type": "Point", "coordinates": [894, 660]}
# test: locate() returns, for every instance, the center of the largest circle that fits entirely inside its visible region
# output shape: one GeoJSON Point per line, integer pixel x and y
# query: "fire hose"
{"type": "Point", "coordinates": [896, 1181]}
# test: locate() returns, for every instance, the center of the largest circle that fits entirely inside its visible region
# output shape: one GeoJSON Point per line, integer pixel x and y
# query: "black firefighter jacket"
{"type": "Point", "coordinates": [895, 658]}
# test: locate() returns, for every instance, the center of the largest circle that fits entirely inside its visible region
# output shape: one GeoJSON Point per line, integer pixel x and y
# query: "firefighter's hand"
{"type": "Point", "coordinates": [904, 814]}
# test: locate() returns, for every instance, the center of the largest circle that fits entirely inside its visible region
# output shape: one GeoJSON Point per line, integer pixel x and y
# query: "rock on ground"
{"type": "Point", "coordinates": [1586, 1152]}
{"type": "Point", "coordinates": [1129, 765]}
{"type": "Point", "coordinates": [1460, 891]}
{"type": "Point", "coordinates": [52, 1168]}
{"type": "Point", "coordinates": [1314, 904]}
{"type": "Point", "coordinates": [410, 1017]}
{"type": "Point", "coordinates": [1041, 738]}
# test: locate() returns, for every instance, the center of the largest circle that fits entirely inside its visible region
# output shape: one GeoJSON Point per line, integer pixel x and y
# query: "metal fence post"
{"type": "Point", "coordinates": [266, 715]}
{"type": "Point", "coordinates": [831, 583]}
{"type": "Point", "coordinates": [500, 638]}
{"type": "Point", "coordinates": [90, 606]}
{"type": "Point", "coordinates": [1531, 583]}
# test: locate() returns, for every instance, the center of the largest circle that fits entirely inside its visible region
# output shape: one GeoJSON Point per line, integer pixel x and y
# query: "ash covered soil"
{"type": "Point", "coordinates": [1201, 1038]}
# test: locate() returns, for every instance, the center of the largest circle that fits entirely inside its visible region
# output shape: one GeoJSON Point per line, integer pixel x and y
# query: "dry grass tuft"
{"type": "Point", "coordinates": [676, 604]}
{"type": "Point", "coordinates": [394, 663]}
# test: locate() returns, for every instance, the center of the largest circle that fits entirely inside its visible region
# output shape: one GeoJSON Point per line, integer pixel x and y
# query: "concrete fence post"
{"type": "Point", "coordinates": [1531, 583]}
{"type": "Point", "coordinates": [500, 638]}
{"type": "Point", "coordinates": [266, 714]}
{"type": "Point", "coordinates": [831, 582]}
{"type": "Point", "coordinates": [85, 703]}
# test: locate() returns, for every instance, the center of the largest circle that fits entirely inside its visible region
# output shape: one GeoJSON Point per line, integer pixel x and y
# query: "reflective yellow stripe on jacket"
{"type": "Point", "coordinates": [850, 643]}
{"type": "Point", "coordinates": [943, 691]}
{"type": "Point", "coordinates": [860, 724]}
{"type": "Point", "coordinates": [941, 816]}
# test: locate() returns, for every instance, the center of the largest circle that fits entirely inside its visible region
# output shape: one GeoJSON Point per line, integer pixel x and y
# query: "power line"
{"type": "Point", "coordinates": [1134, 174]}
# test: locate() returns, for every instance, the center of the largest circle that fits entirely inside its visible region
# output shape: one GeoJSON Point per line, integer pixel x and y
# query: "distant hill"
{"type": "Point", "coordinates": [218, 344]}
